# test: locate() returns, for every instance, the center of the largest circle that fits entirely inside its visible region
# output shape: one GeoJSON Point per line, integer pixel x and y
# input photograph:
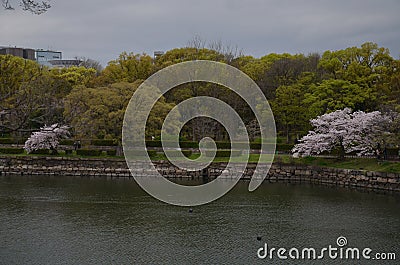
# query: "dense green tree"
{"type": "Point", "coordinates": [357, 62]}
{"type": "Point", "coordinates": [275, 70]}
{"type": "Point", "coordinates": [75, 75]}
{"type": "Point", "coordinates": [129, 67]}
{"type": "Point", "coordinates": [27, 94]}
{"type": "Point", "coordinates": [368, 66]}
{"type": "Point", "coordinates": [47, 93]}
{"type": "Point", "coordinates": [394, 93]}
{"type": "Point", "coordinates": [98, 112]}
{"type": "Point", "coordinates": [179, 55]}
{"type": "Point", "coordinates": [333, 94]}
{"type": "Point", "coordinates": [299, 87]}
{"type": "Point", "coordinates": [289, 109]}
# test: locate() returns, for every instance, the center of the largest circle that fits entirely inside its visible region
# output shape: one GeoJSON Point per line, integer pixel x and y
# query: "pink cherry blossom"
{"type": "Point", "coordinates": [358, 132]}
{"type": "Point", "coordinates": [47, 138]}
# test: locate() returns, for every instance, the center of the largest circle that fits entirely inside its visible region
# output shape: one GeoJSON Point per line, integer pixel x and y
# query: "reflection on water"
{"type": "Point", "coordinates": [66, 220]}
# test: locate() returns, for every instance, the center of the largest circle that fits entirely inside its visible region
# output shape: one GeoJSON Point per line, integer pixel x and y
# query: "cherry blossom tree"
{"type": "Point", "coordinates": [47, 138]}
{"type": "Point", "coordinates": [358, 132]}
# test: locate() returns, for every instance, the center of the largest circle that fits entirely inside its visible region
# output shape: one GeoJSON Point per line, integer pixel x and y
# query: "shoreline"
{"type": "Point", "coordinates": [279, 172]}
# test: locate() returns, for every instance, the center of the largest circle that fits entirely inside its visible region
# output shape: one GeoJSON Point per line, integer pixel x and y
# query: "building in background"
{"type": "Point", "coordinates": [65, 63]}
{"type": "Point", "coordinates": [43, 57]}
{"type": "Point", "coordinates": [25, 53]}
{"type": "Point", "coordinates": [51, 59]}
{"type": "Point", "coordinates": [158, 54]}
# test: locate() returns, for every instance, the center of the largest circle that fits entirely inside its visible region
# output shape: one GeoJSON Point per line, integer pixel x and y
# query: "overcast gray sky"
{"type": "Point", "coordinates": [102, 29]}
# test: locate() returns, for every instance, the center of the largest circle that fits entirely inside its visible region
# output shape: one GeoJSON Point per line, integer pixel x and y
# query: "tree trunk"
{"type": "Point", "coordinates": [287, 134]}
{"type": "Point", "coordinates": [341, 152]}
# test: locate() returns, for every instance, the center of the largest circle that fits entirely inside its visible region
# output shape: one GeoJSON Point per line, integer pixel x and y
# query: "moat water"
{"type": "Point", "coordinates": [69, 220]}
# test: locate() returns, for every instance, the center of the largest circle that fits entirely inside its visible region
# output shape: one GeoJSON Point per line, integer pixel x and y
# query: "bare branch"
{"type": "Point", "coordinates": [35, 7]}
{"type": "Point", "coordinates": [6, 5]}
{"type": "Point", "coordinates": [197, 42]}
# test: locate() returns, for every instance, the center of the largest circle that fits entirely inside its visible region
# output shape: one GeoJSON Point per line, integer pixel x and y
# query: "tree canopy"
{"type": "Point", "coordinates": [358, 132]}
{"type": "Point", "coordinates": [299, 88]}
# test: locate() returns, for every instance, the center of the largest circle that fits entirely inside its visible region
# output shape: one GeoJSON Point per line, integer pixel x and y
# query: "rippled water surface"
{"type": "Point", "coordinates": [65, 220]}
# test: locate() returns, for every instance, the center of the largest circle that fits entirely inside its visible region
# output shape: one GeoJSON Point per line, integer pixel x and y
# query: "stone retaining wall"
{"type": "Point", "coordinates": [91, 167]}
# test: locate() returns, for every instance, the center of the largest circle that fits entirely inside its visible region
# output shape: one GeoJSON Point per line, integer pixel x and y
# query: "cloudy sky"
{"type": "Point", "coordinates": [102, 29]}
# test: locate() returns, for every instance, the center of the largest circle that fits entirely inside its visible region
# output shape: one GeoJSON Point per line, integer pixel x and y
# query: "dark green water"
{"type": "Point", "coordinates": [65, 220]}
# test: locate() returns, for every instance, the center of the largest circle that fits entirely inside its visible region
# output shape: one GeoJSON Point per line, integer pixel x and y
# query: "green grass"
{"type": "Point", "coordinates": [61, 153]}
{"type": "Point", "coordinates": [253, 158]}
{"type": "Point", "coordinates": [368, 164]}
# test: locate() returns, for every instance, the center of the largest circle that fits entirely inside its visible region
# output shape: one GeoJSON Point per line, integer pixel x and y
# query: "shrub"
{"type": "Point", "coordinates": [89, 152]}
{"type": "Point", "coordinates": [284, 147]}
{"type": "Point", "coordinates": [225, 153]}
{"type": "Point", "coordinates": [6, 141]}
{"type": "Point", "coordinates": [392, 151]}
{"type": "Point", "coordinates": [223, 145]}
{"type": "Point", "coordinates": [252, 145]}
{"type": "Point", "coordinates": [40, 152]}
{"type": "Point", "coordinates": [187, 153]}
{"type": "Point", "coordinates": [11, 150]}
{"type": "Point", "coordinates": [111, 152]}
{"type": "Point", "coordinates": [153, 143]}
{"type": "Point", "coordinates": [188, 144]}
{"type": "Point", "coordinates": [67, 142]}
{"type": "Point", "coordinates": [255, 146]}
{"type": "Point", "coordinates": [104, 142]}
{"type": "Point", "coordinates": [68, 151]}
{"type": "Point", "coordinates": [182, 144]}
{"type": "Point", "coordinates": [152, 153]}
{"type": "Point", "coordinates": [12, 140]}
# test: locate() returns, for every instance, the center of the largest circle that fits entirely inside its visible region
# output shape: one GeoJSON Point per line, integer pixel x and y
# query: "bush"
{"type": "Point", "coordinates": [153, 143]}
{"type": "Point", "coordinates": [392, 151]}
{"type": "Point", "coordinates": [182, 144]}
{"type": "Point", "coordinates": [11, 150]}
{"type": "Point", "coordinates": [40, 152]}
{"type": "Point", "coordinates": [152, 153]}
{"type": "Point", "coordinates": [284, 147]}
{"type": "Point", "coordinates": [187, 153]}
{"type": "Point", "coordinates": [6, 141]}
{"type": "Point", "coordinates": [225, 153]}
{"type": "Point", "coordinates": [111, 152]}
{"type": "Point", "coordinates": [104, 142]}
{"type": "Point", "coordinates": [12, 140]}
{"type": "Point", "coordinates": [188, 144]}
{"type": "Point", "coordinates": [255, 146]}
{"type": "Point", "coordinates": [67, 142]}
{"type": "Point", "coordinates": [223, 145]}
{"type": "Point", "coordinates": [68, 151]}
{"type": "Point", "coordinates": [89, 152]}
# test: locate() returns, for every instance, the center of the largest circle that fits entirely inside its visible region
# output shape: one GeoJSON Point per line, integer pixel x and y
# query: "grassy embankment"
{"type": "Point", "coordinates": [369, 164]}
